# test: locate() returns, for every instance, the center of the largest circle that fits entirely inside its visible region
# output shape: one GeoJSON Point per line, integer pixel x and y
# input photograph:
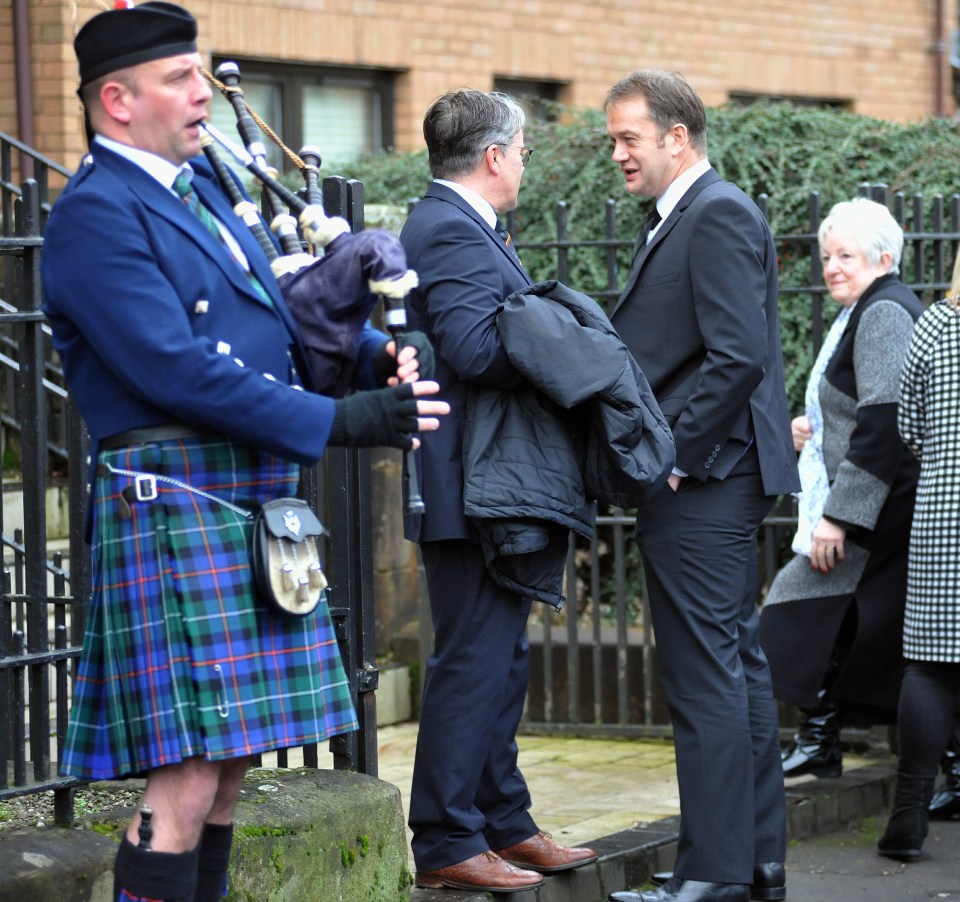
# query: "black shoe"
{"type": "Point", "coordinates": [816, 746]}
{"type": "Point", "coordinates": [769, 881]}
{"type": "Point", "coordinates": [945, 805]}
{"type": "Point", "coordinates": [675, 890]}
{"type": "Point", "coordinates": [907, 827]}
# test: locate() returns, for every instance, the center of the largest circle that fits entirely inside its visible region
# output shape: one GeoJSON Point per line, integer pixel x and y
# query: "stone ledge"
{"type": "Point", "coordinates": [816, 807]}
{"type": "Point", "coordinates": [324, 835]}
{"type": "Point", "coordinates": [333, 836]}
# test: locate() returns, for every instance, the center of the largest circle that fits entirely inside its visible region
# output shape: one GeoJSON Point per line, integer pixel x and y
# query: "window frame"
{"type": "Point", "coordinates": [292, 78]}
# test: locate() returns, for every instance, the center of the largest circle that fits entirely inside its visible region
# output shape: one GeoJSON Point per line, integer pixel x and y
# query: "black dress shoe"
{"type": "Point", "coordinates": [671, 884]}
{"type": "Point", "coordinates": [675, 890]}
{"type": "Point", "coordinates": [769, 881]}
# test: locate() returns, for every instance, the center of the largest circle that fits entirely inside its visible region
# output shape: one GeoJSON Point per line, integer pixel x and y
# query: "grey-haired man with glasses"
{"type": "Point", "coordinates": [469, 807]}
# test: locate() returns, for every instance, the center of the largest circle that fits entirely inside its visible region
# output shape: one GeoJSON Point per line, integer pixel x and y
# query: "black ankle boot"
{"type": "Point", "coordinates": [816, 745]}
{"type": "Point", "coordinates": [945, 805]}
{"type": "Point", "coordinates": [907, 827]}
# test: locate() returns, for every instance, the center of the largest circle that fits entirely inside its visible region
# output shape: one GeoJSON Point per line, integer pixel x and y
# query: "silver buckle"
{"type": "Point", "coordinates": [146, 487]}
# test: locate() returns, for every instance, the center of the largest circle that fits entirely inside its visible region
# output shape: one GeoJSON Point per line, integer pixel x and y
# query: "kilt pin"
{"type": "Point", "coordinates": [181, 657]}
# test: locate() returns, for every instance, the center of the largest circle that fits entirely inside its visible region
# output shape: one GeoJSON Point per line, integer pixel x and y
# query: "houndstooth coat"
{"type": "Point", "coordinates": [929, 421]}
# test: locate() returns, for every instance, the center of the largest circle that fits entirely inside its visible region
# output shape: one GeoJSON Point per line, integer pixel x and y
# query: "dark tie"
{"type": "Point", "coordinates": [649, 224]}
{"type": "Point", "coordinates": [181, 184]}
{"type": "Point", "coordinates": [504, 234]}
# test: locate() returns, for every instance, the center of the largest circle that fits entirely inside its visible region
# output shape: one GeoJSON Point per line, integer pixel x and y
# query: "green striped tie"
{"type": "Point", "coordinates": [181, 184]}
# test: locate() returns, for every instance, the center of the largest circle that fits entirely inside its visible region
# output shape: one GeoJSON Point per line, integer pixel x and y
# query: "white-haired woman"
{"type": "Point", "coordinates": [930, 425]}
{"type": "Point", "coordinates": [831, 623]}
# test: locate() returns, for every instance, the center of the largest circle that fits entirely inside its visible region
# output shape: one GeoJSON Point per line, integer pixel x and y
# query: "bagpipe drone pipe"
{"type": "Point", "coordinates": [331, 277]}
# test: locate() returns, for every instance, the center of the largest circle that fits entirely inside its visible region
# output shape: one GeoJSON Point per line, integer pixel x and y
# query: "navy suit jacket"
{"type": "Point", "coordinates": [699, 313]}
{"type": "Point", "coordinates": [466, 271]}
{"type": "Point", "coordinates": [156, 323]}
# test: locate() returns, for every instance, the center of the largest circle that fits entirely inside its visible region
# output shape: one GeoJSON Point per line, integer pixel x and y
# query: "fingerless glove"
{"type": "Point", "coordinates": [385, 366]}
{"type": "Point", "coordinates": [368, 419]}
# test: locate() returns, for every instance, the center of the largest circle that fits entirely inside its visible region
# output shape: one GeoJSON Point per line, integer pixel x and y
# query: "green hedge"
{"type": "Point", "coordinates": [776, 150]}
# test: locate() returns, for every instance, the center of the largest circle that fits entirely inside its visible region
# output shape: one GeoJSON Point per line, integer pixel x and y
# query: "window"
{"type": "Point", "coordinates": [745, 98]}
{"type": "Point", "coordinates": [342, 112]}
{"type": "Point", "coordinates": [535, 96]}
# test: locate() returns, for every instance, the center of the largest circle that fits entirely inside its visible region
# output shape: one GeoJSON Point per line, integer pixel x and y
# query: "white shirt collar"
{"type": "Point", "coordinates": [479, 203]}
{"type": "Point", "coordinates": [677, 188]}
{"type": "Point", "coordinates": [162, 170]}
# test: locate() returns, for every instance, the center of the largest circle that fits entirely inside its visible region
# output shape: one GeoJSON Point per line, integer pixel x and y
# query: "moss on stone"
{"type": "Point", "coordinates": [266, 831]}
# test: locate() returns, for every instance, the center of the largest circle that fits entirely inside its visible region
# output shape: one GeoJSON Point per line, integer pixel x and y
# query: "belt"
{"type": "Point", "coordinates": [149, 434]}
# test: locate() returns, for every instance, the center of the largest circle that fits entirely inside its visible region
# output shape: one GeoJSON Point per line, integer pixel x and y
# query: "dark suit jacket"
{"type": "Point", "coordinates": [155, 323]}
{"type": "Point", "coordinates": [699, 313]}
{"type": "Point", "coordinates": [466, 271]}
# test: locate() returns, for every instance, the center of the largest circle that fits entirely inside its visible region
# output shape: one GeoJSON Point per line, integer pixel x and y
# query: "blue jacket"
{"type": "Point", "coordinates": [155, 323]}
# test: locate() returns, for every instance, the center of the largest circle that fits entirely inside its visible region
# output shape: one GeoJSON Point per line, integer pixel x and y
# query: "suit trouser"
{"type": "Point", "coordinates": [468, 794]}
{"type": "Point", "coordinates": [699, 548]}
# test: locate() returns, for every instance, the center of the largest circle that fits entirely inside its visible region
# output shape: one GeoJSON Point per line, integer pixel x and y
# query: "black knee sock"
{"type": "Point", "coordinates": [213, 863]}
{"type": "Point", "coordinates": [143, 873]}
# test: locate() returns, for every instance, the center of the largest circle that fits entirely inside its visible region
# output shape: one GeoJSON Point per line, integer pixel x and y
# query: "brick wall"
{"type": "Point", "coordinates": [877, 56]}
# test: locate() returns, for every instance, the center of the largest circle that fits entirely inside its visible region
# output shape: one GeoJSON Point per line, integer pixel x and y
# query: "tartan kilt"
{"type": "Point", "coordinates": [181, 658]}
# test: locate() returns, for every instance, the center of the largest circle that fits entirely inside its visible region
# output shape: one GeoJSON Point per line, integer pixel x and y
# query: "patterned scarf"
{"type": "Point", "coordinates": [814, 485]}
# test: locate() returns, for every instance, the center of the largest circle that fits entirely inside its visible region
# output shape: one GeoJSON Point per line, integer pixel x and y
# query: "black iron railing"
{"type": "Point", "coordinates": [594, 664]}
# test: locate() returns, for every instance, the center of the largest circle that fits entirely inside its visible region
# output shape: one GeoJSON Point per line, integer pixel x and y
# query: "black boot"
{"type": "Point", "coordinates": [907, 827]}
{"type": "Point", "coordinates": [946, 803]}
{"type": "Point", "coordinates": [816, 745]}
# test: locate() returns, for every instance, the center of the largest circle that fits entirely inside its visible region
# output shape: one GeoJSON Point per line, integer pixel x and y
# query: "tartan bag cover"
{"type": "Point", "coordinates": [181, 657]}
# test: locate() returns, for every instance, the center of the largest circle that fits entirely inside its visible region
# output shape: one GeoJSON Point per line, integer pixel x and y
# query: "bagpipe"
{"type": "Point", "coordinates": [332, 278]}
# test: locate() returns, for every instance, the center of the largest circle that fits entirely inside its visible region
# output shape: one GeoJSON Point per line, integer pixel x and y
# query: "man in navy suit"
{"type": "Point", "coordinates": [189, 372]}
{"type": "Point", "coordinates": [469, 803]}
{"type": "Point", "coordinates": [699, 313]}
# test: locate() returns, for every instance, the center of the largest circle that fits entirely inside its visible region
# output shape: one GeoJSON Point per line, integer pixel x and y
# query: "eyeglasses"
{"type": "Point", "coordinates": [525, 152]}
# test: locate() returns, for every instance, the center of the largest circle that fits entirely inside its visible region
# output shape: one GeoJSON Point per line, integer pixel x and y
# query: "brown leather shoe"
{"type": "Point", "coordinates": [544, 854]}
{"type": "Point", "coordinates": [486, 871]}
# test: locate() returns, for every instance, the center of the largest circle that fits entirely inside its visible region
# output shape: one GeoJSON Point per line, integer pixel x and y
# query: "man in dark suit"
{"type": "Point", "coordinates": [190, 375]}
{"type": "Point", "coordinates": [469, 802]}
{"type": "Point", "coordinates": [699, 312]}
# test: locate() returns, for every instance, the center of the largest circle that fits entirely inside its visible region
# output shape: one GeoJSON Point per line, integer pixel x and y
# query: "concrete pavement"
{"type": "Point", "coordinates": [620, 797]}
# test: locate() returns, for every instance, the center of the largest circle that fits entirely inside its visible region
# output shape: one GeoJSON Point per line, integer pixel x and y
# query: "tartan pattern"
{"type": "Point", "coordinates": [181, 184]}
{"type": "Point", "coordinates": [181, 658]}
{"type": "Point", "coordinates": [929, 419]}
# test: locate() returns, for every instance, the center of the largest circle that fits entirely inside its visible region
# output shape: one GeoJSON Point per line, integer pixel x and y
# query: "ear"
{"type": "Point", "coordinates": [680, 136]}
{"type": "Point", "coordinates": [491, 159]}
{"type": "Point", "coordinates": [886, 261]}
{"type": "Point", "coordinates": [115, 99]}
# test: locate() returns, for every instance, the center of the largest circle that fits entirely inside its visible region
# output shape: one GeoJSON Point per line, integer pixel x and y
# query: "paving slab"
{"type": "Point", "coordinates": [620, 797]}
